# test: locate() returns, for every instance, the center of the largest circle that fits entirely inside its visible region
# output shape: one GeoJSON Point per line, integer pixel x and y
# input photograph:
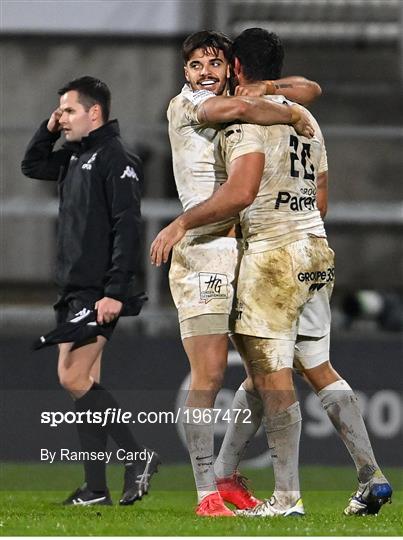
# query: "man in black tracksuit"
{"type": "Point", "coordinates": [98, 242]}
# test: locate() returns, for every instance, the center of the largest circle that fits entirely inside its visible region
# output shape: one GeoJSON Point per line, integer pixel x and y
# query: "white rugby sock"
{"type": "Point", "coordinates": [283, 434]}
{"type": "Point", "coordinates": [341, 405]}
{"type": "Point", "coordinates": [240, 431]}
{"type": "Point", "coordinates": [200, 442]}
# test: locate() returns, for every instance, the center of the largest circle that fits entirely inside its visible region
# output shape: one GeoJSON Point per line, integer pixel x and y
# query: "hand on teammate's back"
{"type": "Point", "coordinates": [251, 90]}
{"type": "Point", "coordinates": [303, 124]}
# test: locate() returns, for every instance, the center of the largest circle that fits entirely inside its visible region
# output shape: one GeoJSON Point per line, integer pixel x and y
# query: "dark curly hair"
{"type": "Point", "coordinates": [260, 53]}
{"type": "Point", "coordinates": [207, 40]}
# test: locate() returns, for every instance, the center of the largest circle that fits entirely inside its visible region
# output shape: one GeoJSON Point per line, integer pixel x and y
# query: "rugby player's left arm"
{"type": "Point", "coordinates": [294, 88]}
{"type": "Point", "coordinates": [253, 110]}
{"type": "Point", "coordinates": [322, 193]}
{"type": "Point", "coordinates": [238, 192]}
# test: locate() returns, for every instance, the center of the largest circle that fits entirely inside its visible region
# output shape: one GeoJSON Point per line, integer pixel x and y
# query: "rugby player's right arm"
{"type": "Point", "coordinates": [223, 109]}
{"type": "Point", "coordinates": [238, 192]}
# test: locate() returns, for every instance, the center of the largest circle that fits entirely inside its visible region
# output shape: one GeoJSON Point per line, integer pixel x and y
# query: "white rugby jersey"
{"type": "Point", "coordinates": [285, 208]}
{"type": "Point", "coordinates": [198, 165]}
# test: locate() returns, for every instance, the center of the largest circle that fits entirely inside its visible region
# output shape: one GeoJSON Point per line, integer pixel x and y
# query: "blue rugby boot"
{"type": "Point", "coordinates": [370, 496]}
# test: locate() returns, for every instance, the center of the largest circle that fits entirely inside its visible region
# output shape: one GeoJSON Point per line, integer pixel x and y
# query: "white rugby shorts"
{"type": "Point", "coordinates": [285, 291]}
{"type": "Point", "coordinates": [203, 275]}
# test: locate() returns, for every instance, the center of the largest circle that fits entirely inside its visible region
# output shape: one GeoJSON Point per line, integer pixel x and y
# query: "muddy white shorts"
{"type": "Point", "coordinates": [203, 277]}
{"type": "Point", "coordinates": [285, 291]}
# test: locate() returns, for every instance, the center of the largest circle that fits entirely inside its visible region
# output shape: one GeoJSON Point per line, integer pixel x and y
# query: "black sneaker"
{"type": "Point", "coordinates": [84, 497]}
{"type": "Point", "coordinates": [137, 479]}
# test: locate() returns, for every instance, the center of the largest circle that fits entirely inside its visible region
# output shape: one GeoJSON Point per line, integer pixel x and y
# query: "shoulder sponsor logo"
{"type": "Point", "coordinates": [129, 172]}
{"type": "Point", "coordinates": [201, 93]}
{"type": "Point", "coordinates": [199, 96]}
{"type": "Point", "coordinates": [212, 286]}
{"type": "Point", "coordinates": [88, 165]}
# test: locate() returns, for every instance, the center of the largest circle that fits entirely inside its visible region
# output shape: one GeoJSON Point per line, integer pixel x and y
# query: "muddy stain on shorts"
{"type": "Point", "coordinates": [274, 286]}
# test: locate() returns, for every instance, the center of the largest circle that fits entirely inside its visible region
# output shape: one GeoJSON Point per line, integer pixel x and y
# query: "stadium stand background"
{"type": "Point", "coordinates": [353, 48]}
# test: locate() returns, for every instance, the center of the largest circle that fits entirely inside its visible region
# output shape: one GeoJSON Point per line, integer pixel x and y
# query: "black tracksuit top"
{"type": "Point", "coordinates": [98, 237]}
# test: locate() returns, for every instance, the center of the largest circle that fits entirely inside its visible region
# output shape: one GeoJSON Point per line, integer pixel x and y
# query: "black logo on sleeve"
{"type": "Point", "coordinates": [233, 135]}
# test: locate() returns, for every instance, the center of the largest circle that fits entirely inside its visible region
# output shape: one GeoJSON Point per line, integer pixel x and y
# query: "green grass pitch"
{"type": "Point", "coordinates": [30, 506]}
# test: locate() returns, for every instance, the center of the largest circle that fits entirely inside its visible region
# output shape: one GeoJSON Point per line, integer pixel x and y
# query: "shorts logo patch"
{"type": "Point", "coordinates": [212, 286]}
{"type": "Point", "coordinates": [80, 315]}
{"type": "Point", "coordinates": [320, 275]}
{"type": "Point", "coordinates": [238, 310]}
{"type": "Point", "coordinates": [316, 286]}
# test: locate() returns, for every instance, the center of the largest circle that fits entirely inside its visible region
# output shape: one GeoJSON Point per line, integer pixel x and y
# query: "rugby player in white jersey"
{"type": "Point", "coordinates": [285, 282]}
{"type": "Point", "coordinates": [204, 264]}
